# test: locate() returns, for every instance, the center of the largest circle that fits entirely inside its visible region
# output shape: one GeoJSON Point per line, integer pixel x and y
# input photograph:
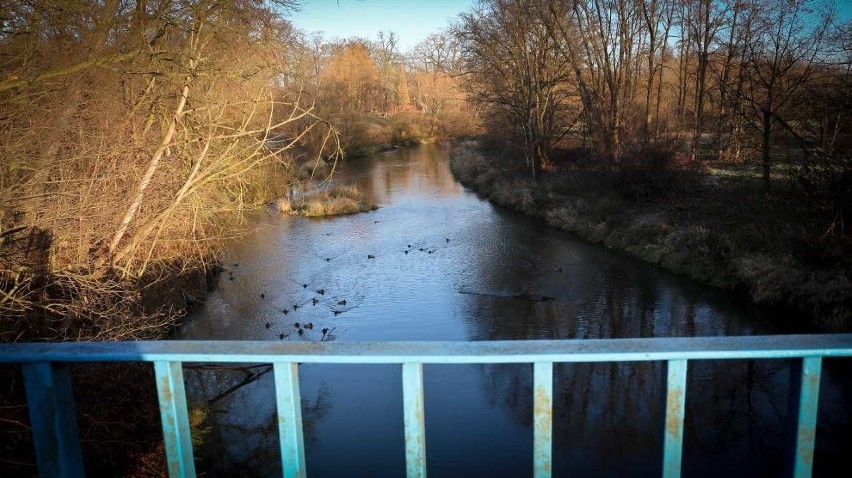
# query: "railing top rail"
{"type": "Point", "coordinates": [512, 351]}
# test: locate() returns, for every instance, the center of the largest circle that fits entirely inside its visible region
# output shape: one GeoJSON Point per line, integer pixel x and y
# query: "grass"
{"type": "Point", "coordinates": [726, 233]}
{"type": "Point", "coordinates": [331, 202]}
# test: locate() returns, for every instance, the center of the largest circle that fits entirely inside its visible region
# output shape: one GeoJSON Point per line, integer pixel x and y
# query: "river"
{"type": "Point", "coordinates": [435, 262]}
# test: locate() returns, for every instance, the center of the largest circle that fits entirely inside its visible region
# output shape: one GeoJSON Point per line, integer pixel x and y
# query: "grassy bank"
{"type": "Point", "coordinates": [722, 230]}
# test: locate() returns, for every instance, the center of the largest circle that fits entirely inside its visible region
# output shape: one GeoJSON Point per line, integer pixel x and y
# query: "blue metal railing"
{"type": "Point", "coordinates": [48, 385]}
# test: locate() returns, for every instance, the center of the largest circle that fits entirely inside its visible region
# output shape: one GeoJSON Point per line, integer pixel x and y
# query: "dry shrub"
{"type": "Point", "coordinates": [654, 169]}
{"type": "Point", "coordinates": [467, 161]}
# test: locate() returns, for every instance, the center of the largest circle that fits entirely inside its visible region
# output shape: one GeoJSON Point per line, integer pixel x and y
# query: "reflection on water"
{"type": "Point", "coordinates": [449, 266]}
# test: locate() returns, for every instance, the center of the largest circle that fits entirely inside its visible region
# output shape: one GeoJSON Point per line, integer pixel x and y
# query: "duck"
{"type": "Point", "coordinates": [336, 312]}
{"type": "Point", "coordinates": [262, 296]}
{"type": "Point", "coordinates": [281, 336]}
{"type": "Point", "coordinates": [268, 325]}
{"type": "Point", "coordinates": [295, 306]}
{"type": "Point", "coordinates": [321, 292]}
{"type": "Point", "coordinates": [304, 286]}
{"type": "Point", "coordinates": [341, 302]}
{"type": "Point", "coordinates": [406, 252]}
{"type": "Point", "coordinates": [297, 325]}
{"type": "Point", "coordinates": [285, 311]}
{"type": "Point", "coordinates": [315, 301]}
{"type": "Point", "coordinates": [301, 331]}
{"type": "Point", "coordinates": [309, 326]}
{"type": "Point", "coordinates": [370, 256]}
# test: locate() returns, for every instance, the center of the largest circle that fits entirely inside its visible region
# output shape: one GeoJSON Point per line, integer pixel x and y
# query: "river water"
{"type": "Point", "coordinates": [436, 262]}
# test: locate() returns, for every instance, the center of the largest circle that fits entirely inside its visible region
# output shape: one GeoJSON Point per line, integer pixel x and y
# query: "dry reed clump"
{"type": "Point", "coordinates": [331, 202]}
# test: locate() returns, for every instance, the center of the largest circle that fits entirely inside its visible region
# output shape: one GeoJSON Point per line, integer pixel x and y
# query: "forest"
{"type": "Point", "coordinates": [135, 135]}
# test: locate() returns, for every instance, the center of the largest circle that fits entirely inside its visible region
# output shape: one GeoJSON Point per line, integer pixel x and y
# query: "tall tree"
{"type": "Point", "coordinates": [514, 68]}
{"type": "Point", "coordinates": [600, 40]}
{"type": "Point", "coordinates": [782, 57]}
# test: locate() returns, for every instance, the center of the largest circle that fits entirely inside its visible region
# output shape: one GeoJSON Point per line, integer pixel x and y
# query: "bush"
{"type": "Point", "coordinates": [652, 169]}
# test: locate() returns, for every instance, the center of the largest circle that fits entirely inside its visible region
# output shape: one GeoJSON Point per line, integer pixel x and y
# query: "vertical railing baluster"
{"type": "Point", "coordinates": [290, 433]}
{"type": "Point", "coordinates": [805, 399]}
{"type": "Point", "coordinates": [175, 418]}
{"type": "Point", "coordinates": [675, 404]}
{"type": "Point", "coordinates": [414, 419]}
{"type": "Point", "coordinates": [542, 419]}
{"type": "Point", "coordinates": [53, 419]}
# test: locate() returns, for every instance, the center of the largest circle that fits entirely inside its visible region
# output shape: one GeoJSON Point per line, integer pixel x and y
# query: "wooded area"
{"type": "Point", "coordinates": [729, 80]}
{"type": "Point", "coordinates": [135, 134]}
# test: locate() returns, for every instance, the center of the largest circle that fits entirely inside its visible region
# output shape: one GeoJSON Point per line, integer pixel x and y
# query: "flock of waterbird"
{"type": "Point", "coordinates": [338, 305]}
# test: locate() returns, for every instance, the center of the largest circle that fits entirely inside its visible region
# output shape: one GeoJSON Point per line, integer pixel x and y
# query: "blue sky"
{"type": "Point", "coordinates": [411, 20]}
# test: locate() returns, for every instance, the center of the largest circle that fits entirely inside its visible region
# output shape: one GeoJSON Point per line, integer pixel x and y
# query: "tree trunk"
{"type": "Point", "coordinates": [767, 159]}
{"type": "Point", "coordinates": [152, 168]}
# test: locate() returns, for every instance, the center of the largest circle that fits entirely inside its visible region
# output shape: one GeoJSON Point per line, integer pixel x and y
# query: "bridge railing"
{"type": "Point", "coordinates": [52, 415]}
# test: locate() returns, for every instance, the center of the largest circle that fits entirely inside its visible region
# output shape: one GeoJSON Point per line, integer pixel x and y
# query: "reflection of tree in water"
{"type": "Point", "coordinates": [608, 417]}
{"type": "Point", "coordinates": [424, 167]}
{"type": "Point", "coordinates": [244, 436]}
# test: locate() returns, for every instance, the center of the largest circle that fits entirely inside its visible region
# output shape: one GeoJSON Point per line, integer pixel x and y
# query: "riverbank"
{"type": "Point", "coordinates": [722, 231]}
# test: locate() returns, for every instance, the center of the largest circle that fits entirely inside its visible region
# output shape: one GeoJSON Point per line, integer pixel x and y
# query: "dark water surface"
{"type": "Point", "coordinates": [474, 272]}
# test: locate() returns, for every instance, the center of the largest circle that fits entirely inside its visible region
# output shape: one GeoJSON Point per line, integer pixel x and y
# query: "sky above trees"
{"type": "Point", "coordinates": [411, 20]}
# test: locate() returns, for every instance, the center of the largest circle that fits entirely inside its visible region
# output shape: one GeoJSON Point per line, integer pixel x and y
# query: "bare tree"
{"type": "Point", "coordinates": [513, 66]}
{"type": "Point", "coordinates": [601, 42]}
{"type": "Point", "coordinates": [782, 57]}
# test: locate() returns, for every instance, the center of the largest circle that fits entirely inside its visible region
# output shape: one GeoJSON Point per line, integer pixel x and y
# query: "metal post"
{"type": "Point", "coordinates": [290, 433]}
{"type": "Point", "coordinates": [542, 419]}
{"type": "Point", "coordinates": [175, 418]}
{"type": "Point", "coordinates": [675, 404]}
{"type": "Point", "coordinates": [53, 419]}
{"type": "Point", "coordinates": [803, 405]}
{"type": "Point", "coordinates": [414, 419]}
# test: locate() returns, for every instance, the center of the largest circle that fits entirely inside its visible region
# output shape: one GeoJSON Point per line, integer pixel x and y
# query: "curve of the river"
{"type": "Point", "coordinates": [436, 262]}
